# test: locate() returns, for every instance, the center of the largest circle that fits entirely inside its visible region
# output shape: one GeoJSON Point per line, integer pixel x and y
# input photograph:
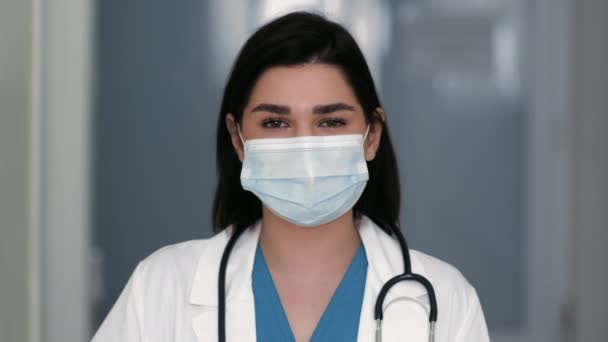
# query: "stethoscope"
{"type": "Point", "coordinates": [407, 275]}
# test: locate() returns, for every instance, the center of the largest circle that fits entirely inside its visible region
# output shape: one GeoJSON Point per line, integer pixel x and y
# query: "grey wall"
{"type": "Point", "coordinates": [156, 110]}
{"type": "Point", "coordinates": [461, 153]}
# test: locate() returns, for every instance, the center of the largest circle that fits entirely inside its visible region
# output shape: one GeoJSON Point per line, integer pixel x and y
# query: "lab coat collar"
{"type": "Point", "coordinates": [238, 273]}
{"type": "Point", "coordinates": [384, 262]}
{"type": "Point", "coordinates": [383, 256]}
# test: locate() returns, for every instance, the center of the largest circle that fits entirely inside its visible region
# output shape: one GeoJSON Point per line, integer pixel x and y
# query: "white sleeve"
{"type": "Point", "coordinates": [472, 327]}
{"type": "Point", "coordinates": [124, 321]}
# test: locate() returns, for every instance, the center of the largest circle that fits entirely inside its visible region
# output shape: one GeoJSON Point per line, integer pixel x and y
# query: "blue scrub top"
{"type": "Point", "coordinates": [340, 320]}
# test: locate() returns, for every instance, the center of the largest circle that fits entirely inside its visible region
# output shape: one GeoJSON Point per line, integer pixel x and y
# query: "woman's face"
{"type": "Point", "coordinates": [303, 100]}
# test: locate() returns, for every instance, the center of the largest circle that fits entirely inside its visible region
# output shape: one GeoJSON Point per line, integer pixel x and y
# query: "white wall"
{"type": "Point", "coordinates": [44, 169]}
{"type": "Point", "coordinates": [15, 118]}
{"type": "Point", "coordinates": [65, 87]}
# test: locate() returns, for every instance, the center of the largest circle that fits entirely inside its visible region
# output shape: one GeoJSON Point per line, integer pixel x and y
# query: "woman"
{"type": "Point", "coordinates": [306, 171]}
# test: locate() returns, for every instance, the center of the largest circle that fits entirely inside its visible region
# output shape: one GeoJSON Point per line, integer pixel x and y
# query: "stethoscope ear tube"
{"type": "Point", "coordinates": [393, 228]}
{"type": "Point", "coordinates": [221, 295]}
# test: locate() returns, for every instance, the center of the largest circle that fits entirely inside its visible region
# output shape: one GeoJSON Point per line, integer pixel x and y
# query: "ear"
{"type": "Point", "coordinates": [375, 132]}
{"type": "Point", "coordinates": [234, 135]}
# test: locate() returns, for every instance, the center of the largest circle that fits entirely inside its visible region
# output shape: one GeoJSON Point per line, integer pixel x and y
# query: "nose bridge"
{"type": "Point", "coordinates": [304, 126]}
{"type": "Point", "coordinates": [304, 130]}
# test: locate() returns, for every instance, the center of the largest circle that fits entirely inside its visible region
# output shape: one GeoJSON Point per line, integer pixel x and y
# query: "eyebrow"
{"type": "Point", "coordinates": [271, 108]}
{"type": "Point", "coordinates": [319, 109]}
{"type": "Point", "coordinates": [333, 107]}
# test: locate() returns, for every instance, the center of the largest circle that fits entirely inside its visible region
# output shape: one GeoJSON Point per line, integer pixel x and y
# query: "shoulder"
{"type": "Point", "coordinates": [457, 298]}
{"type": "Point", "coordinates": [446, 278]}
{"type": "Point", "coordinates": [157, 288]}
{"type": "Point", "coordinates": [178, 262]}
{"type": "Point", "coordinates": [171, 268]}
{"type": "Point", "coordinates": [174, 256]}
{"type": "Point", "coordinates": [440, 272]}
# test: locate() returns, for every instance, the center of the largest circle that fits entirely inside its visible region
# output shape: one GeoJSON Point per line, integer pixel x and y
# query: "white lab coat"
{"type": "Point", "coordinates": [172, 295]}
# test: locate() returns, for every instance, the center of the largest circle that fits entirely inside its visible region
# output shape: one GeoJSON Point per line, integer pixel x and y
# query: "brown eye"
{"type": "Point", "coordinates": [333, 123]}
{"type": "Point", "coordinates": [274, 123]}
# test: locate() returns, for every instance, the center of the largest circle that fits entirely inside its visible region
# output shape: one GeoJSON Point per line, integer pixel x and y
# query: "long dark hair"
{"type": "Point", "coordinates": [294, 39]}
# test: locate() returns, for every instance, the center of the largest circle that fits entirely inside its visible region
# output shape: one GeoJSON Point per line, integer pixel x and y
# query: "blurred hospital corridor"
{"type": "Point", "coordinates": [498, 112]}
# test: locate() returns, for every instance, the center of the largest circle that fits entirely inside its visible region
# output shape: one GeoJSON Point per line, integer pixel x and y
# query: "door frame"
{"type": "Point", "coordinates": [61, 83]}
{"type": "Point", "coordinates": [549, 163]}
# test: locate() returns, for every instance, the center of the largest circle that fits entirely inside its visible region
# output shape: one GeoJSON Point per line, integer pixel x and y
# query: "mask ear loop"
{"type": "Point", "coordinates": [366, 132]}
{"type": "Point", "coordinates": [238, 128]}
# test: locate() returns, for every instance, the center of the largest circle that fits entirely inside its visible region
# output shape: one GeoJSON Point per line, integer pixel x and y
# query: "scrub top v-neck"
{"type": "Point", "coordinates": [340, 320]}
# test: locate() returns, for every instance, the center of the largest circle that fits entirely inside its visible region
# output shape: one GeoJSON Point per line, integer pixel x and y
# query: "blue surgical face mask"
{"type": "Point", "coordinates": [307, 181]}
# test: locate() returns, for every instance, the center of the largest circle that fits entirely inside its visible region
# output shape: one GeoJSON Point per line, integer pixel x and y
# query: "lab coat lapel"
{"type": "Point", "coordinates": [404, 316]}
{"type": "Point", "coordinates": [240, 310]}
{"type": "Point", "coordinates": [406, 304]}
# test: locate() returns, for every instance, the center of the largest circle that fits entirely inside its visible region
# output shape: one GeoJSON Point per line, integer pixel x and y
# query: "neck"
{"type": "Point", "coordinates": [325, 248]}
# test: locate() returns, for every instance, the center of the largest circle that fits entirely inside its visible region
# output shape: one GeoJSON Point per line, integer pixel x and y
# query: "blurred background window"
{"type": "Point", "coordinates": [497, 109]}
{"type": "Point", "coordinates": [456, 79]}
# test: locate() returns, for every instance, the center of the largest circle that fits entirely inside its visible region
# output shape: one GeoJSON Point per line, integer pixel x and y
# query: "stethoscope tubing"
{"type": "Point", "coordinates": [407, 275]}
{"type": "Point", "coordinates": [221, 289]}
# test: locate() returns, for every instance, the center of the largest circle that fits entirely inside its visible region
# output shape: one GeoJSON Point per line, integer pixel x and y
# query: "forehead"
{"type": "Point", "coordinates": [302, 84]}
